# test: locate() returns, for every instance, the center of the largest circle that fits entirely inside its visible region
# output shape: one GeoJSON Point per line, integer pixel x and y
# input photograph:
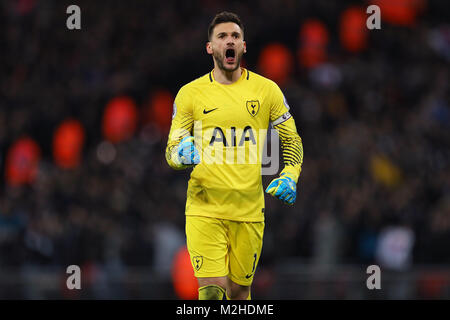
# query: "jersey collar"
{"type": "Point", "coordinates": [245, 75]}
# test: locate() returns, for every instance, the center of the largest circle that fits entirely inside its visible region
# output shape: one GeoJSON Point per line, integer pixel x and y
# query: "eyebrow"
{"type": "Point", "coordinates": [234, 33]}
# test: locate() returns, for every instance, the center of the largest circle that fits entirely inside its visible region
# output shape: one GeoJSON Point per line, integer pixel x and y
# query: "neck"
{"type": "Point", "coordinates": [226, 77]}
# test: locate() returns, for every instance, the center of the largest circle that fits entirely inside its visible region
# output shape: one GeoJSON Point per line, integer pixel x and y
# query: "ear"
{"type": "Point", "coordinates": [209, 48]}
{"type": "Point", "coordinates": [245, 47]}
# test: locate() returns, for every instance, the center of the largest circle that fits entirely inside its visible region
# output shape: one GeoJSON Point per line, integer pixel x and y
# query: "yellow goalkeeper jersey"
{"type": "Point", "coordinates": [229, 124]}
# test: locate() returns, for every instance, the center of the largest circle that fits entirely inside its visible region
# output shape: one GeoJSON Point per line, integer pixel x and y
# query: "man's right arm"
{"type": "Point", "coordinates": [182, 124]}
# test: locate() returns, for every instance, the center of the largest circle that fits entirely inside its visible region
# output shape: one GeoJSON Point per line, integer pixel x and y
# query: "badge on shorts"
{"type": "Point", "coordinates": [197, 262]}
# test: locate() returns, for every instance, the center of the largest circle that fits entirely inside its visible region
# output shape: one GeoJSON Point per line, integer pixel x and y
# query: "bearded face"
{"type": "Point", "coordinates": [227, 46]}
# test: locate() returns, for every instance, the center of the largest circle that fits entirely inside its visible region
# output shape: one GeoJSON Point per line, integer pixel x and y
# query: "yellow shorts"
{"type": "Point", "coordinates": [221, 248]}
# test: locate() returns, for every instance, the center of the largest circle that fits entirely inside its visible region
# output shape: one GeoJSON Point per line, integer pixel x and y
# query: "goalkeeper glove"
{"type": "Point", "coordinates": [283, 188]}
{"type": "Point", "coordinates": [187, 152]}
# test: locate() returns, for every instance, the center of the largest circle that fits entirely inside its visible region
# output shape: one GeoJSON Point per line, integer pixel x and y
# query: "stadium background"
{"type": "Point", "coordinates": [84, 116]}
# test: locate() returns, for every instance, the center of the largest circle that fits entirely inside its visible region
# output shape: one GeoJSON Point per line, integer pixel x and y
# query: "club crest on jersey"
{"type": "Point", "coordinates": [197, 262]}
{"type": "Point", "coordinates": [252, 107]}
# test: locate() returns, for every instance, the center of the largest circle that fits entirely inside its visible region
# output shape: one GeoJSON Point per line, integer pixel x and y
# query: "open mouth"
{"type": "Point", "coordinates": [230, 55]}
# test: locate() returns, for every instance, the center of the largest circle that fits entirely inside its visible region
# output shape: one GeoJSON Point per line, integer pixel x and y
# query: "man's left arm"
{"type": "Point", "coordinates": [285, 187]}
{"type": "Point", "coordinates": [291, 147]}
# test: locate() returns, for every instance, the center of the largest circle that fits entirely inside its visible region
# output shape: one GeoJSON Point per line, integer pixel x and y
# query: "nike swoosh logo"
{"type": "Point", "coordinates": [205, 112]}
{"type": "Point", "coordinates": [248, 276]}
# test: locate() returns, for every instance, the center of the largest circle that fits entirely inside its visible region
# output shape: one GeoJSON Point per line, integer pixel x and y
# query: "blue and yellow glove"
{"type": "Point", "coordinates": [283, 188]}
{"type": "Point", "coordinates": [187, 152]}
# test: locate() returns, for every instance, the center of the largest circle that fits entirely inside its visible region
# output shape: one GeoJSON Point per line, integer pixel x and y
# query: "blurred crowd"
{"type": "Point", "coordinates": [374, 120]}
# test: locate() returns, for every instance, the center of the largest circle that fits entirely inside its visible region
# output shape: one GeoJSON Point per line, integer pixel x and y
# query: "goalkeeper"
{"type": "Point", "coordinates": [215, 125]}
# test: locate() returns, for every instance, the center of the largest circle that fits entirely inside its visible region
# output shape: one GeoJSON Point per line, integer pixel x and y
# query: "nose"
{"type": "Point", "coordinates": [230, 41]}
{"type": "Point", "coordinates": [230, 45]}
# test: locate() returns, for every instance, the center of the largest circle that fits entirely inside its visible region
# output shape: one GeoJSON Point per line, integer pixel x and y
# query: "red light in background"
{"type": "Point", "coordinates": [184, 281]}
{"type": "Point", "coordinates": [276, 62]}
{"type": "Point", "coordinates": [68, 141]}
{"type": "Point", "coordinates": [22, 162]}
{"type": "Point", "coordinates": [119, 119]}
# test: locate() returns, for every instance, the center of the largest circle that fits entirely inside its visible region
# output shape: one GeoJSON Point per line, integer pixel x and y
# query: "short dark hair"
{"type": "Point", "coordinates": [223, 17]}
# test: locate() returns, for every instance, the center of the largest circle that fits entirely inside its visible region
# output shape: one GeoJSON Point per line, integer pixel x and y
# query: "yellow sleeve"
{"type": "Point", "coordinates": [292, 148]}
{"type": "Point", "coordinates": [182, 124]}
{"type": "Point", "coordinates": [291, 143]}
